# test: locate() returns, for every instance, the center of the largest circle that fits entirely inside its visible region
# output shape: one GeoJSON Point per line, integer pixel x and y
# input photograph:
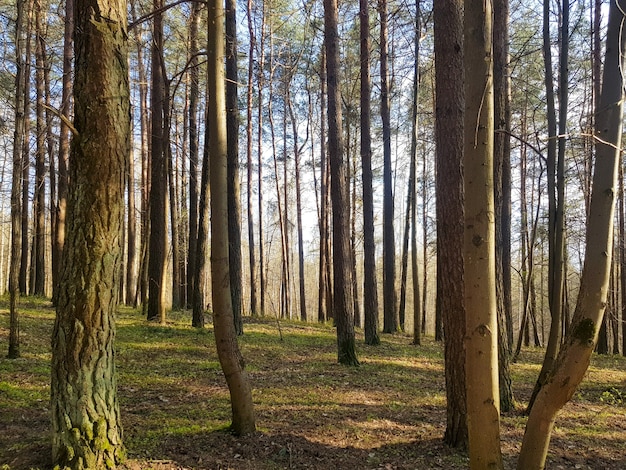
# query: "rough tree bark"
{"type": "Point", "coordinates": [342, 273]}
{"type": "Point", "coordinates": [86, 431]}
{"type": "Point", "coordinates": [450, 103]}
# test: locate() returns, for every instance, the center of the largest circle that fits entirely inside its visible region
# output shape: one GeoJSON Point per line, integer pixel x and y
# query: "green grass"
{"type": "Point", "coordinates": [311, 411]}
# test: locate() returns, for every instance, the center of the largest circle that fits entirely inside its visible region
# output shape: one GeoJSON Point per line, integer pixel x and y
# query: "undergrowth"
{"type": "Point", "coordinates": [311, 411]}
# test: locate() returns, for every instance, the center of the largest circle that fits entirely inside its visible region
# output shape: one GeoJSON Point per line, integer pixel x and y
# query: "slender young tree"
{"type": "Point", "coordinates": [86, 430]}
{"type": "Point", "coordinates": [194, 92]}
{"type": "Point", "coordinates": [449, 105]}
{"type": "Point", "coordinates": [232, 132]}
{"type": "Point", "coordinates": [575, 354]}
{"type": "Point", "coordinates": [16, 187]}
{"type": "Point", "coordinates": [230, 357]}
{"type": "Point", "coordinates": [254, 303]}
{"type": "Point", "coordinates": [342, 273]}
{"type": "Point", "coordinates": [370, 290]}
{"type": "Point", "coordinates": [556, 193]}
{"type": "Point", "coordinates": [390, 319]}
{"type": "Point", "coordinates": [64, 148]}
{"type": "Point", "coordinates": [38, 250]}
{"type": "Point", "coordinates": [481, 337]}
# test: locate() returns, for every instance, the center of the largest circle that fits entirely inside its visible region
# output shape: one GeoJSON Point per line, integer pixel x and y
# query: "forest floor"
{"type": "Point", "coordinates": [312, 413]}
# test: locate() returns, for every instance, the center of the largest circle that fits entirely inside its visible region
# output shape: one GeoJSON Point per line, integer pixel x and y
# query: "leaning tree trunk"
{"type": "Point", "coordinates": [228, 351]}
{"type": "Point", "coordinates": [86, 431]}
{"type": "Point", "coordinates": [575, 354]}
{"type": "Point", "coordinates": [481, 341]}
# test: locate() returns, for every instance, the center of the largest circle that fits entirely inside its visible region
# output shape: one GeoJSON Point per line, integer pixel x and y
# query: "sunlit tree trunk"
{"type": "Point", "coordinates": [231, 360]}
{"type": "Point", "coordinates": [86, 431]}
{"type": "Point", "coordinates": [450, 99]}
{"type": "Point", "coordinates": [574, 356]}
{"type": "Point", "coordinates": [481, 341]}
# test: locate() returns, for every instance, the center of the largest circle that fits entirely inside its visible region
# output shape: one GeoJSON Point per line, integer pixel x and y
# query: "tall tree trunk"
{"type": "Point", "coordinates": [16, 185]}
{"type": "Point", "coordinates": [202, 251]}
{"type": "Point", "coordinates": [228, 351]}
{"type": "Point", "coordinates": [450, 104]}
{"type": "Point", "coordinates": [412, 195]}
{"type": "Point", "coordinates": [370, 286]}
{"type": "Point", "coordinates": [574, 356]}
{"type": "Point", "coordinates": [556, 192]}
{"type": "Point", "coordinates": [390, 319]}
{"type": "Point", "coordinates": [502, 197]}
{"type": "Point", "coordinates": [23, 277]}
{"type": "Point", "coordinates": [131, 267]}
{"type": "Point", "coordinates": [142, 284]}
{"type": "Point", "coordinates": [342, 282]}
{"type": "Point", "coordinates": [158, 178]}
{"type": "Point", "coordinates": [86, 431]}
{"type": "Point", "coordinates": [254, 302]}
{"type": "Point", "coordinates": [232, 132]}
{"type": "Point", "coordinates": [64, 148]}
{"type": "Point", "coordinates": [325, 301]}
{"type": "Point", "coordinates": [260, 84]}
{"type": "Point", "coordinates": [296, 159]}
{"type": "Point", "coordinates": [481, 343]}
{"type": "Point", "coordinates": [622, 254]}
{"type": "Point", "coordinates": [38, 269]}
{"type": "Point", "coordinates": [194, 22]}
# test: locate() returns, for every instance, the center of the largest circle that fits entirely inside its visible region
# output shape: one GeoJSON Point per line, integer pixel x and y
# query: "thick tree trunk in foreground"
{"type": "Point", "coordinates": [86, 431]}
{"type": "Point", "coordinates": [575, 354]}
{"type": "Point", "coordinates": [342, 283]}
{"type": "Point", "coordinates": [448, 15]}
{"type": "Point", "coordinates": [228, 352]}
{"type": "Point", "coordinates": [481, 340]}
